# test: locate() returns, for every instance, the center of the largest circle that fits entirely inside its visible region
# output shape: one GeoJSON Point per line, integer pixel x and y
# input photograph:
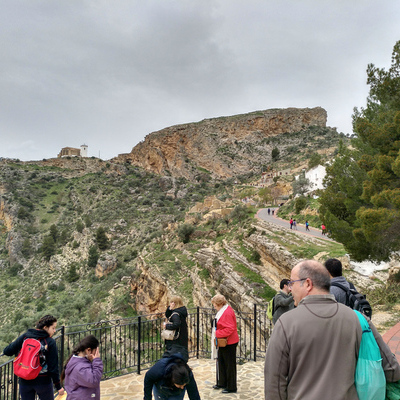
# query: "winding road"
{"type": "Point", "coordinates": [263, 215]}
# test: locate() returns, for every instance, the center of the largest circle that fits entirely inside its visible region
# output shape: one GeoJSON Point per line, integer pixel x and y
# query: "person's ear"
{"type": "Point", "coordinates": [309, 284]}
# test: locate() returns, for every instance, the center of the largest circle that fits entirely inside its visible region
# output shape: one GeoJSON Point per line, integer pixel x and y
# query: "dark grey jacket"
{"type": "Point", "coordinates": [283, 303]}
{"type": "Point", "coordinates": [340, 295]}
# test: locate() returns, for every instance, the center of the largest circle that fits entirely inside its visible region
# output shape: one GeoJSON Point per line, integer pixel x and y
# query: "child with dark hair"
{"type": "Point", "coordinates": [83, 370]}
{"type": "Point", "coordinates": [42, 385]}
{"type": "Point", "coordinates": [169, 379]}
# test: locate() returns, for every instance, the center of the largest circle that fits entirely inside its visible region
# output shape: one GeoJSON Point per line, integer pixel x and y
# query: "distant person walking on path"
{"type": "Point", "coordinates": [273, 210]}
{"type": "Point", "coordinates": [269, 210]}
{"type": "Point", "coordinates": [307, 226]}
{"type": "Point", "coordinates": [323, 228]}
{"type": "Point", "coordinates": [294, 225]}
{"type": "Point", "coordinates": [291, 223]}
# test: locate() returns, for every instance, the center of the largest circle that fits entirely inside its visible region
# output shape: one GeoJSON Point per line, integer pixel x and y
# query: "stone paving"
{"type": "Point", "coordinates": [392, 338]}
{"type": "Point", "coordinates": [250, 383]}
{"type": "Point", "coordinates": [250, 378]}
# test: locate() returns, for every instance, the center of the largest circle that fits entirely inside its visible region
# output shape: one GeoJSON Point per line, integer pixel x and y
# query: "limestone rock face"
{"type": "Point", "coordinates": [223, 147]}
{"type": "Point", "coordinates": [150, 290]}
{"type": "Point", "coordinates": [106, 266]}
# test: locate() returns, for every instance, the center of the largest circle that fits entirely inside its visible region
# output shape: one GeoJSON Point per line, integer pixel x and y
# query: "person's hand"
{"type": "Point", "coordinates": [96, 354]}
{"type": "Point", "coordinates": [61, 391]}
{"type": "Point", "coordinates": [93, 355]}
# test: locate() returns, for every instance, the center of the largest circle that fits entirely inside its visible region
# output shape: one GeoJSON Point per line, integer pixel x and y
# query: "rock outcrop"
{"type": "Point", "coordinates": [221, 147]}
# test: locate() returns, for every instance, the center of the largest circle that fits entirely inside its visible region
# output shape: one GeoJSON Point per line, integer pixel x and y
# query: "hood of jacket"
{"type": "Point", "coordinates": [182, 311]}
{"type": "Point", "coordinates": [73, 362]}
{"type": "Point", "coordinates": [37, 333]}
{"type": "Point", "coordinates": [340, 279]}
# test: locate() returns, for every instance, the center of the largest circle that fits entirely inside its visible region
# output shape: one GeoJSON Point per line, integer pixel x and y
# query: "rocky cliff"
{"type": "Point", "coordinates": [222, 147]}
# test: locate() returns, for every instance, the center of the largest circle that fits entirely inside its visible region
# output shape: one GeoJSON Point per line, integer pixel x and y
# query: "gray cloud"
{"type": "Point", "coordinates": [108, 73]}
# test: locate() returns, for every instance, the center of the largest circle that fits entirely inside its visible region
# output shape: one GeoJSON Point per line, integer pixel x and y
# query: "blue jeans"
{"type": "Point", "coordinates": [43, 390]}
{"type": "Point", "coordinates": [160, 396]}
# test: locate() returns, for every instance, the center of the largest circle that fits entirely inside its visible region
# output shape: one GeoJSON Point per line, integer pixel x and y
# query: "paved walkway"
{"type": "Point", "coordinates": [262, 214]}
{"type": "Point", "coordinates": [250, 378]}
{"type": "Point", "coordinates": [250, 383]}
{"type": "Point", "coordinates": [392, 338]}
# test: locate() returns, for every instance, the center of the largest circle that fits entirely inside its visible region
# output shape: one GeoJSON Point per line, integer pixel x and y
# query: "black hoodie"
{"type": "Point", "coordinates": [51, 357]}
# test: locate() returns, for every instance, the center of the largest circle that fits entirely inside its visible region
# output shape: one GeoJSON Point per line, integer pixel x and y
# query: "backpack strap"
{"type": "Point", "coordinates": [169, 319]}
{"type": "Point", "coordinates": [345, 289]}
{"type": "Point", "coordinates": [363, 322]}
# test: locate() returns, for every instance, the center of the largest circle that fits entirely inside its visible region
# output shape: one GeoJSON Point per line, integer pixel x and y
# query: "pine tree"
{"type": "Point", "coordinates": [361, 203]}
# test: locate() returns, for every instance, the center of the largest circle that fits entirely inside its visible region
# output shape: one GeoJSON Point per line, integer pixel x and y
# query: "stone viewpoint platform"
{"type": "Point", "coordinates": [250, 383]}
{"type": "Point", "coordinates": [250, 378]}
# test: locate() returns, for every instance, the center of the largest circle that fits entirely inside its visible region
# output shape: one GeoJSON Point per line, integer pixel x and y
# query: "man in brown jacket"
{"type": "Point", "coordinates": [313, 350]}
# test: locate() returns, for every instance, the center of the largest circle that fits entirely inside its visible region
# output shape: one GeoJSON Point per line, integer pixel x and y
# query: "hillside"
{"type": "Point", "coordinates": [87, 240]}
{"type": "Point", "coordinates": [226, 147]}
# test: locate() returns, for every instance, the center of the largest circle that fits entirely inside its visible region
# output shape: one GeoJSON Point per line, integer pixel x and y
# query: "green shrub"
{"type": "Point", "coordinates": [88, 221]}
{"type": "Point", "coordinates": [101, 238]}
{"type": "Point", "coordinates": [80, 226]}
{"type": "Point", "coordinates": [72, 275]}
{"type": "Point", "coordinates": [255, 257]}
{"type": "Point", "coordinates": [14, 269]}
{"type": "Point", "coordinates": [48, 247]}
{"type": "Point", "coordinates": [300, 204]}
{"type": "Point", "coordinates": [185, 231]}
{"type": "Point", "coordinates": [22, 213]}
{"type": "Point", "coordinates": [93, 257]}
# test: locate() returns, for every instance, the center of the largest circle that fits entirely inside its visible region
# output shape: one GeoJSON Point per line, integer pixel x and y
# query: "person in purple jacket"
{"type": "Point", "coordinates": [83, 371]}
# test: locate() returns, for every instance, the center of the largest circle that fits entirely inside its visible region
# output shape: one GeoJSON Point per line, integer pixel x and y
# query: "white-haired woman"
{"type": "Point", "coordinates": [224, 327]}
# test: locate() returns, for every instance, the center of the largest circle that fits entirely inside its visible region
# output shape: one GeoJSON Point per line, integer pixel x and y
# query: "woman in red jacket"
{"type": "Point", "coordinates": [224, 326]}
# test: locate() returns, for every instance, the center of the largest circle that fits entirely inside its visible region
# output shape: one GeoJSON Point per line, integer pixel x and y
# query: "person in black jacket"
{"type": "Point", "coordinates": [49, 375]}
{"type": "Point", "coordinates": [177, 314]}
{"type": "Point", "coordinates": [169, 379]}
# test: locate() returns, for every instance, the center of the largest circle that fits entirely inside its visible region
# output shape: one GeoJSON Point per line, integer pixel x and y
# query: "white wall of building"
{"type": "Point", "coordinates": [84, 150]}
{"type": "Point", "coordinates": [316, 177]}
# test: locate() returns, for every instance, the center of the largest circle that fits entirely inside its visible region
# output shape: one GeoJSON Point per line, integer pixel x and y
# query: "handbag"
{"type": "Point", "coordinates": [369, 378]}
{"type": "Point", "coordinates": [392, 390]}
{"type": "Point", "coordinates": [169, 334]}
{"type": "Point", "coordinates": [221, 342]}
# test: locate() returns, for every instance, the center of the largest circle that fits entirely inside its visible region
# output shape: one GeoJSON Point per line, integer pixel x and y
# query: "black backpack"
{"type": "Point", "coordinates": [355, 300]}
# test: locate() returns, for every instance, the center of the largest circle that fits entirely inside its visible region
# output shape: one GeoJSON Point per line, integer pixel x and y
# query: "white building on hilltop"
{"type": "Point", "coordinates": [74, 152]}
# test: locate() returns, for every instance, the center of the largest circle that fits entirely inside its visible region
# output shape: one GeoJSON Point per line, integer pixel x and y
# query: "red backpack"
{"type": "Point", "coordinates": [30, 359]}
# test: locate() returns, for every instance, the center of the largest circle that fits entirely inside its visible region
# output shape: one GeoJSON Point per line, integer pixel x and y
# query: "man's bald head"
{"type": "Point", "coordinates": [316, 272]}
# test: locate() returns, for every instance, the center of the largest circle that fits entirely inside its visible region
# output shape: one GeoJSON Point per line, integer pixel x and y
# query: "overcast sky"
{"type": "Point", "coordinates": [107, 73]}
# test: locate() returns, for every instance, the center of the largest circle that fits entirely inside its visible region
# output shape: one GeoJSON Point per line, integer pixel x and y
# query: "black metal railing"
{"type": "Point", "coordinates": [135, 344]}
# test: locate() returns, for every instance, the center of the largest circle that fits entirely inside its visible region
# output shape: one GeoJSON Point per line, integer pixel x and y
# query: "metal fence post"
{"type": "Point", "coordinates": [139, 344]}
{"type": "Point", "coordinates": [15, 388]}
{"type": "Point", "coordinates": [198, 332]}
{"type": "Point", "coordinates": [255, 332]}
{"type": "Point", "coordinates": [62, 347]}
